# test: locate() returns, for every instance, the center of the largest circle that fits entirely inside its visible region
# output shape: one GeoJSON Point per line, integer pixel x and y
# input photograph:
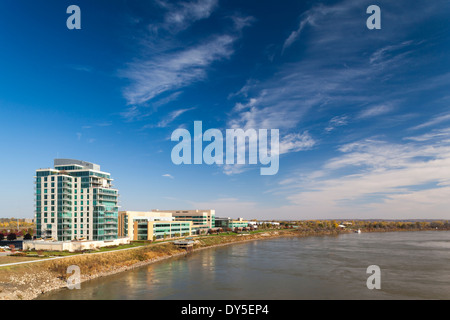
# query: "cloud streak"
{"type": "Point", "coordinates": [171, 71]}
{"type": "Point", "coordinates": [381, 177]}
{"type": "Point", "coordinates": [179, 16]}
{"type": "Point", "coordinates": [165, 66]}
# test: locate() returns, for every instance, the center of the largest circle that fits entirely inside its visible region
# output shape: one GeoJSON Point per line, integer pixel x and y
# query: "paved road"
{"type": "Point", "coordinates": [75, 255]}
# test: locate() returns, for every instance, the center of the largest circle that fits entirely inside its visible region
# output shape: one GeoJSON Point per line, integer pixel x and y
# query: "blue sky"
{"type": "Point", "coordinates": [363, 114]}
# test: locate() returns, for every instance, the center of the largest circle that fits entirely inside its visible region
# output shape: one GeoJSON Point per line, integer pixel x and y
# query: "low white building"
{"type": "Point", "coordinates": [71, 246]}
{"type": "Point", "coordinates": [269, 222]}
{"type": "Point", "coordinates": [253, 224]}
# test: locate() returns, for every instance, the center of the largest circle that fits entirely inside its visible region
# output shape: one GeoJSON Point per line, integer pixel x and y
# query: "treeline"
{"type": "Point", "coordinates": [366, 225]}
{"type": "Point", "coordinates": [12, 223]}
{"type": "Point", "coordinates": [26, 234]}
{"type": "Point", "coordinates": [414, 225]}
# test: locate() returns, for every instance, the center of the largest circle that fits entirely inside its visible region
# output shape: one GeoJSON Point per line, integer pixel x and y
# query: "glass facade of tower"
{"type": "Point", "coordinates": [75, 200]}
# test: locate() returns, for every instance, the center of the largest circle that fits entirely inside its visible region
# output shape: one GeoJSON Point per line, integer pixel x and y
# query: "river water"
{"type": "Point", "coordinates": [414, 265]}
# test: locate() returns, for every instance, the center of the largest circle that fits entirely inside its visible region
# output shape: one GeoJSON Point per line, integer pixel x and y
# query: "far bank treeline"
{"type": "Point", "coordinates": [368, 225]}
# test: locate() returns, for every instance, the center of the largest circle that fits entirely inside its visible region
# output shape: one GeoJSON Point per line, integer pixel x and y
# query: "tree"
{"type": "Point", "coordinates": [11, 237]}
{"type": "Point", "coordinates": [27, 237]}
{"type": "Point", "coordinates": [2, 236]}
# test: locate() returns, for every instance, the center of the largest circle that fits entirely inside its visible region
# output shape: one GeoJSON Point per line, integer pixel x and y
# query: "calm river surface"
{"type": "Point", "coordinates": [414, 265]}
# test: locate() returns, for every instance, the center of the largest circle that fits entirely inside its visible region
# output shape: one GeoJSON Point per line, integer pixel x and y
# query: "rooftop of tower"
{"type": "Point", "coordinates": [84, 164]}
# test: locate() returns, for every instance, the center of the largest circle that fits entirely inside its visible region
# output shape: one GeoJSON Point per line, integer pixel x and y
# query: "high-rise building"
{"type": "Point", "coordinates": [75, 200]}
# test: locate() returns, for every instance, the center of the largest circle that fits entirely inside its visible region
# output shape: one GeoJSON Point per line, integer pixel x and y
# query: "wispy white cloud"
{"type": "Point", "coordinates": [435, 134]}
{"type": "Point", "coordinates": [308, 18]}
{"type": "Point", "coordinates": [352, 75]}
{"type": "Point", "coordinates": [171, 71]}
{"type": "Point", "coordinates": [389, 52]}
{"type": "Point", "coordinates": [168, 176]}
{"type": "Point", "coordinates": [131, 113]}
{"type": "Point", "coordinates": [179, 16]}
{"type": "Point", "coordinates": [172, 116]}
{"type": "Point", "coordinates": [240, 21]}
{"type": "Point", "coordinates": [375, 111]}
{"type": "Point", "coordinates": [235, 169]}
{"type": "Point", "coordinates": [376, 178]}
{"type": "Point", "coordinates": [296, 142]}
{"type": "Point", "coordinates": [337, 121]}
{"type": "Point", "coordinates": [163, 101]}
{"type": "Point", "coordinates": [168, 119]}
{"type": "Point", "coordinates": [332, 18]}
{"type": "Point", "coordinates": [438, 119]}
{"type": "Point", "coordinates": [165, 66]}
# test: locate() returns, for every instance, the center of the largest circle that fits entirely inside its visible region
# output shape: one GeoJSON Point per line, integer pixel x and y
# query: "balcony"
{"type": "Point", "coordinates": [95, 181]}
{"type": "Point", "coordinates": [111, 216]}
{"type": "Point", "coordinates": [102, 197]}
{"type": "Point", "coordinates": [65, 191]}
{"type": "Point", "coordinates": [111, 227]}
{"type": "Point", "coordinates": [65, 215]}
{"type": "Point", "coordinates": [107, 192]}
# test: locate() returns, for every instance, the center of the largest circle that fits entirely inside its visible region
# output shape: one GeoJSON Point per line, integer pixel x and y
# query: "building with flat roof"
{"type": "Point", "coordinates": [75, 200]}
{"type": "Point", "coordinates": [225, 223]}
{"type": "Point", "coordinates": [202, 220]}
{"type": "Point", "coordinates": [150, 225]}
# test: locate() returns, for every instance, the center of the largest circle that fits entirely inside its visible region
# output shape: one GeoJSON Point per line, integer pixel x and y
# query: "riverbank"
{"type": "Point", "coordinates": [27, 282]}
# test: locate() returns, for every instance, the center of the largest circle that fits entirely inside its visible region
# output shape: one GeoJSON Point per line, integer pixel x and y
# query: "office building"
{"type": "Point", "coordinates": [153, 226]}
{"type": "Point", "coordinates": [202, 220]}
{"type": "Point", "coordinates": [228, 223]}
